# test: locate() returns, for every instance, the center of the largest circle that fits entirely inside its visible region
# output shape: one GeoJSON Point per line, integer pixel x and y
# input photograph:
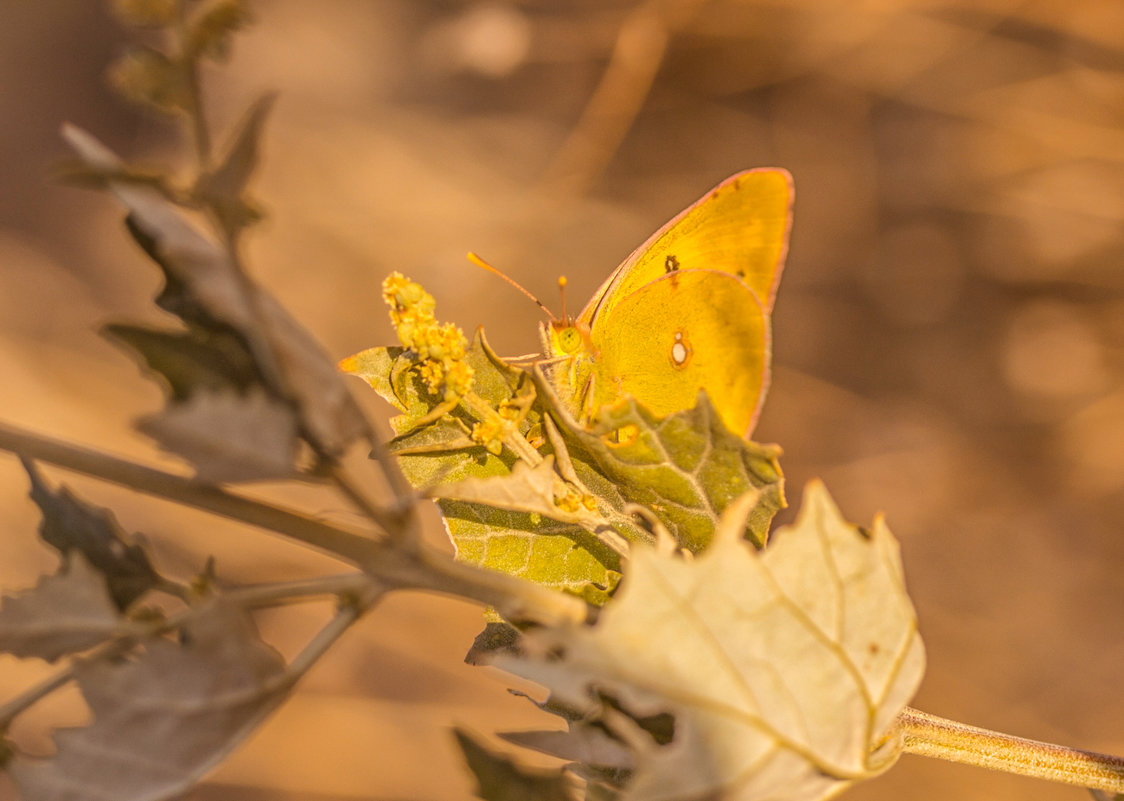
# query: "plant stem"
{"type": "Point", "coordinates": [928, 735]}
{"type": "Point", "coordinates": [397, 567]}
{"type": "Point", "coordinates": [333, 630]}
{"type": "Point", "coordinates": [14, 706]}
{"type": "Point", "coordinates": [201, 136]}
{"type": "Point", "coordinates": [350, 546]}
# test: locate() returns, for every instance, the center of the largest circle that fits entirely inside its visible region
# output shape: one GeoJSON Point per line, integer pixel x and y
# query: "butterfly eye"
{"type": "Point", "coordinates": [569, 340]}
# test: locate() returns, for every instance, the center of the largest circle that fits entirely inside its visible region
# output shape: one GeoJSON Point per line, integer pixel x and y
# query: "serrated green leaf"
{"type": "Point", "coordinates": [686, 468]}
{"type": "Point", "coordinates": [535, 548]}
{"type": "Point", "coordinates": [389, 372]}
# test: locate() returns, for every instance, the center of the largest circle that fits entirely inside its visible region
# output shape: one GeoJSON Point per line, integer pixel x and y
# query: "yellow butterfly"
{"type": "Point", "coordinates": [688, 310]}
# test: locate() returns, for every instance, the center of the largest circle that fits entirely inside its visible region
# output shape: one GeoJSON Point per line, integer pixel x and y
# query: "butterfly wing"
{"type": "Point", "coordinates": [740, 227]}
{"type": "Point", "coordinates": [685, 331]}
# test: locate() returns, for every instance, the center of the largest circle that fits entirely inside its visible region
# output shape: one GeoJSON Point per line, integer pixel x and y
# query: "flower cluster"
{"type": "Point", "coordinates": [439, 348]}
{"type": "Point", "coordinates": [570, 500]}
{"type": "Point", "coordinates": [491, 432]}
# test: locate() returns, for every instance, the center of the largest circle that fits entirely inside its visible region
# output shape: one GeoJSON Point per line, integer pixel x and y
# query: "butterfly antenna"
{"type": "Point", "coordinates": [479, 262]}
{"type": "Point", "coordinates": [562, 292]}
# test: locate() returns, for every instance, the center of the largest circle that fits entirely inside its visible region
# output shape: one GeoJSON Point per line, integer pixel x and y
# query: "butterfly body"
{"type": "Point", "coordinates": [688, 310]}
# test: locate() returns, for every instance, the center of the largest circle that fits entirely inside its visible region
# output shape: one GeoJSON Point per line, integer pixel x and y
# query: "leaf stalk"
{"type": "Point", "coordinates": [931, 736]}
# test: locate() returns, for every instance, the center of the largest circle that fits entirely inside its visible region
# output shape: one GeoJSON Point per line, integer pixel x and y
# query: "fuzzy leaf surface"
{"type": "Point", "coordinates": [784, 670]}
{"type": "Point", "coordinates": [64, 613]}
{"type": "Point", "coordinates": [162, 719]}
{"type": "Point", "coordinates": [498, 513]}
{"type": "Point", "coordinates": [686, 468]}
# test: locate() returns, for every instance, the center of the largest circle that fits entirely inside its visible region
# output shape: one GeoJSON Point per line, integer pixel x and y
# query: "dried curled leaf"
{"type": "Point", "coordinates": [70, 525]}
{"type": "Point", "coordinates": [685, 468]}
{"type": "Point", "coordinates": [208, 692]}
{"type": "Point", "coordinates": [501, 779]}
{"type": "Point", "coordinates": [207, 289]}
{"type": "Point", "coordinates": [196, 360]}
{"type": "Point", "coordinates": [223, 188]}
{"type": "Point", "coordinates": [783, 670]}
{"type": "Point", "coordinates": [64, 613]}
{"type": "Point", "coordinates": [228, 437]}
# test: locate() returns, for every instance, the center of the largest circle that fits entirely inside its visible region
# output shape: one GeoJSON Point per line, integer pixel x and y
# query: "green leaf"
{"type": "Point", "coordinates": [532, 547]}
{"type": "Point", "coordinates": [499, 778]}
{"type": "Point", "coordinates": [388, 372]}
{"type": "Point", "coordinates": [685, 468]}
{"type": "Point", "coordinates": [486, 526]}
{"type": "Point", "coordinates": [784, 670]}
{"type": "Point", "coordinates": [71, 525]}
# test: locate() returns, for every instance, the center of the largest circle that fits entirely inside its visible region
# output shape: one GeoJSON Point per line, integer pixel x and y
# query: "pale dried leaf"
{"type": "Point", "coordinates": [228, 437]}
{"type": "Point", "coordinates": [64, 613]}
{"type": "Point", "coordinates": [161, 720]}
{"type": "Point", "coordinates": [205, 288]}
{"type": "Point", "coordinates": [783, 670]}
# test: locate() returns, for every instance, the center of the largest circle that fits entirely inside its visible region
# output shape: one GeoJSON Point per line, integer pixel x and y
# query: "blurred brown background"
{"type": "Point", "coordinates": [949, 335]}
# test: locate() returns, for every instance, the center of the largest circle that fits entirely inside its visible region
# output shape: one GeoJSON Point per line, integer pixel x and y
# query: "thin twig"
{"type": "Point", "coordinates": [364, 591]}
{"type": "Point", "coordinates": [422, 569]}
{"type": "Point", "coordinates": [620, 95]}
{"type": "Point", "coordinates": [200, 135]}
{"type": "Point", "coordinates": [354, 547]}
{"type": "Point", "coordinates": [400, 522]}
{"type": "Point", "coordinates": [333, 630]}
{"type": "Point", "coordinates": [928, 735]}
{"type": "Point", "coordinates": [14, 706]}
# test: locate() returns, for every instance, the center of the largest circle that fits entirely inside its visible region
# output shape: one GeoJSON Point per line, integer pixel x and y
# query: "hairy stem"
{"type": "Point", "coordinates": [397, 567]}
{"type": "Point", "coordinates": [928, 735]}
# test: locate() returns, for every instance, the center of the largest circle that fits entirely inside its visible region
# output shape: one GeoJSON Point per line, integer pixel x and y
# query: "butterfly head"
{"type": "Point", "coordinates": [566, 337]}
